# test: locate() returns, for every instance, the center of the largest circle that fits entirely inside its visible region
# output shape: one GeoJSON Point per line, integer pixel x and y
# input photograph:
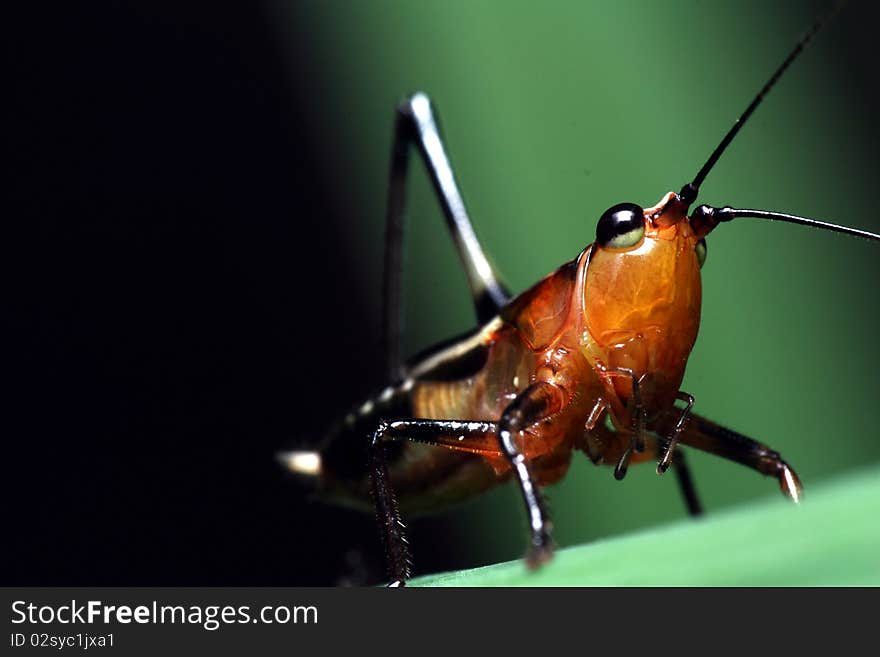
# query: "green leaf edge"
{"type": "Point", "coordinates": [831, 539]}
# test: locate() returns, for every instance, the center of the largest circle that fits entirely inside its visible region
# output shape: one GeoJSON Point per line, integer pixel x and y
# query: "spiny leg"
{"type": "Point", "coordinates": [392, 529]}
{"type": "Point", "coordinates": [416, 124]}
{"type": "Point", "coordinates": [475, 437]}
{"type": "Point", "coordinates": [677, 458]}
{"type": "Point", "coordinates": [536, 402]}
{"type": "Point", "coordinates": [672, 439]}
{"type": "Point", "coordinates": [710, 437]}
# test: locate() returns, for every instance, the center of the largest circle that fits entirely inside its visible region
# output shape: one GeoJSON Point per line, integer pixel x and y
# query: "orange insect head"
{"type": "Point", "coordinates": [642, 295]}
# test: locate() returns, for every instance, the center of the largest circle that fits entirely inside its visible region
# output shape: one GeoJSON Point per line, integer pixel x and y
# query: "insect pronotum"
{"type": "Point", "coordinates": [591, 359]}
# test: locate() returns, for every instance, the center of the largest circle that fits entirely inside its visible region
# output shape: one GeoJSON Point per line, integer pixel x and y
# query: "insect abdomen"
{"type": "Point", "coordinates": [508, 367]}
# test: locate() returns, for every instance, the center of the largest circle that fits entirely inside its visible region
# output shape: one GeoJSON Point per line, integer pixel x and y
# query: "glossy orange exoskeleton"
{"type": "Point", "coordinates": [590, 358]}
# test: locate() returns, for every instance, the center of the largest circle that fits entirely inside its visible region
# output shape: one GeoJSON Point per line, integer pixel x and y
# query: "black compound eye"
{"type": "Point", "coordinates": [621, 226]}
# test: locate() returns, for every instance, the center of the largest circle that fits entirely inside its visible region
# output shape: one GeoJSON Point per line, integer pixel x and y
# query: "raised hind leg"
{"type": "Point", "coordinates": [415, 124]}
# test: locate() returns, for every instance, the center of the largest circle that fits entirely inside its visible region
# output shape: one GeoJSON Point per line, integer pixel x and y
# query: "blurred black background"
{"type": "Point", "coordinates": [176, 295]}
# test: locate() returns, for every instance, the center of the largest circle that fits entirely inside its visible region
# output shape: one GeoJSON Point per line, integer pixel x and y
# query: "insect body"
{"type": "Point", "coordinates": [591, 359]}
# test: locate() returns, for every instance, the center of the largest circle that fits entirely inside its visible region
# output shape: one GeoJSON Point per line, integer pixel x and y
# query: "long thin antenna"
{"type": "Point", "coordinates": [707, 215]}
{"type": "Point", "coordinates": [689, 192]}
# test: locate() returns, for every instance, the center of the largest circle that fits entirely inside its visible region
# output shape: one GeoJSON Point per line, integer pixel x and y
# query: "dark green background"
{"type": "Point", "coordinates": [554, 113]}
